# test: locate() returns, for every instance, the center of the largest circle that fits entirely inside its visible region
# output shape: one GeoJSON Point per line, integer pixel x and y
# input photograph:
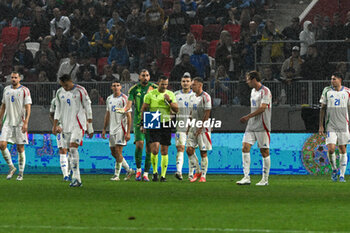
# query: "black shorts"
{"type": "Point", "coordinates": [162, 135]}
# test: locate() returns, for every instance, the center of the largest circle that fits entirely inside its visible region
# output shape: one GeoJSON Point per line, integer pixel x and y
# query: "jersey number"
{"type": "Point", "coordinates": [186, 104]}
{"type": "Point", "coordinates": [68, 101]}
{"type": "Point", "coordinates": [337, 102]}
{"type": "Point", "coordinates": [113, 108]}
{"type": "Point", "coordinates": [12, 98]}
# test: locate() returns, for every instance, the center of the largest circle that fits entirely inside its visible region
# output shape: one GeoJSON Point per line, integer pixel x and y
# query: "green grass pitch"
{"type": "Point", "coordinates": [293, 204]}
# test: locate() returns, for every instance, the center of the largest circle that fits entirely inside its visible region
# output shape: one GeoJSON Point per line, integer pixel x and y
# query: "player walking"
{"type": "Point", "coordinates": [14, 117]}
{"type": "Point", "coordinates": [335, 99]}
{"type": "Point", "coordinates": [258, 128]}
{"type": "Point", "coordinates": [72, 109]}
{"type": "Point", "coordinates": [119, 123]}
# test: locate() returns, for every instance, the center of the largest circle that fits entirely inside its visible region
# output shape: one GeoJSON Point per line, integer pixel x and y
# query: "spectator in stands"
{"type": "Point", "coordinates": [20, 20]}
{"type": "Point", "coordinates": [70, 67]}
{"type": "Point", "coordinates": [90, 22]}
{"type": "Point", "coordinates": [254, 33]}
{"type": "Point", "coordinates": [101, 42]}
{"type": "Point", "coordinates": [76, 18]}
{"type": "Point", "coordinates": [45, 65]}
{"type": "Point", "coordinates": [338, 33]}
{"type": "Point", "coordinates": [307, 37]}
{"type": "Point", "coordinates": [49, 7]}
{"type": "Point", "coordinates": [215, 12]}
{"type": "Point", "coordinates": [342, 68]}
{"type": "Point", "coordinates": [267, 74]}
{"type": "Point", "coordinates": [247, 52]}
{"type": "Point", "coordinates": [135, 30]}
{"type": "Point", "coordinates": [78, 43]}
{"type": "Point", "coordinates": [60, 44]}
{"type": "Point", "coordinates": [220, 87]}
{"type": "Point", "coordinates": [154, 20]}
{"type": "Point", "coordinates": [148, 3]}
{"type": "Point", "coordinates": [116, 20]}
{"type": "Point", "coordinates": [177, 26]}
{"type": "Point", "coordinates": [189, 7]}
{"type": "Point", "coordinates": [6, 14]}
{"type": "Point", "coordinates": [108, 74]}
{"type": "Point", "coordinates": [227, 54]}
{"type": "Point", "coordinates": [200, 61]}
{"type": "Point", "coordinates": [59, 21]}
{"type": "Point", "coordinates": [314, 67]}
{"type": "Point", "coordinates": [119, 56]}
{"type": "Point", "coordinates": [40, 28]}
{"type": "Point", "coordinates": [40, 97]}
{"type": "Point", "coordinates": [347, 35]}
{"type": "Point", "coordinates": [23, 59]}
{"type": "Point", "coordinates": [127, 83]}
{"type": "Point", "coordinates": [327, 34]}
{"type": "Point", "coordinates": [86, 70]}
{"type": "Point", "coordinates": [155, 72]}
{"type": "Point", "coordinates": [184, 66]}
{"type": "Point", "coordinates": [291, 67]}
{"type": "Point", "coordinates": [231, 17]}
{"type": "Point", "coordinates": [188, 47]}
{"type": "Point", "coordinates": [108, 8]}
{"type": "Point", "coordinates": [96, 98]}
{"type": "Point", "coordinates": [50, 55]}
{"type": "Point", "coordinates": [317, 27]}
{"type": "Point", "coordinates": [291, 32]}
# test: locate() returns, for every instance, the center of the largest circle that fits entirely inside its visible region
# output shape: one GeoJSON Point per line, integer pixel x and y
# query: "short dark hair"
{"type": "Point", "coordinates": [65, 78]}
{"type": "Point", "coordinates": [186, 77]}
{"type": "Point", "coordinates": [254, 75]}
{"type": "Point", "coordinates": [16, 72]}
{"type": "Point", "coordinates": [115, 81]}
{"type": "Point", "coordinates": [338, 75]}
{"type": "Point", "coordinates": [144, 70]}
{"type": "Point", "coordinates": [163, 77]}
{"type": "Point", "coordinates": [198, 79]}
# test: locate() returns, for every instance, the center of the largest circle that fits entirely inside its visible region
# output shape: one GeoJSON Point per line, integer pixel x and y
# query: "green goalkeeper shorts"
{"type": "Point", "coordinates": [139, 136]}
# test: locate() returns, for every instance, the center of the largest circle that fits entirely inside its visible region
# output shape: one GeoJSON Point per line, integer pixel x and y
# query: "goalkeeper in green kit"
{"type": "Point", "coordinates": [136, 96]}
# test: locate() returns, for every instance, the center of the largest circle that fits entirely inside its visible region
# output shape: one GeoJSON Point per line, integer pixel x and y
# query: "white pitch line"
{"type": "Point", "coordinates": [164, 229]}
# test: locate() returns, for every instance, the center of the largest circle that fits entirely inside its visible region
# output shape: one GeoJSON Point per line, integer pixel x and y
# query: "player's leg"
{"type": "Point", "coordinates": [75, 140]}
{"type": "Point", "coordinates": [7, 156]}
{"type": "Point", "coordinates": [21, 161]}
{"type": "Point", "coordinates": [248, 140]}
{"type": "Point", "coordinates": [117, 166]}
{"type": "Point", "coordinates": [204, 143]}
{"type": "Point", "coordinates": [264, 145]}
{"type": "Point", "coordinates": [192, 157]}
{"type": "Point", "coordinates": [165, 142]}
{"type": "Point", "coordinates": [180, 141]}
{"type": "Point", "coordinates": [62, 148]}
{"type": "Point", "coordinates": [139, 138]}
{"type": "Point", "coordinates": [154, 146]}
{"type": "Point", "coordinates": [148, 155]}
{"type": "Point", "coordinates": [331, 141]}
{"type": "Point", "coordinates": [343, 138]}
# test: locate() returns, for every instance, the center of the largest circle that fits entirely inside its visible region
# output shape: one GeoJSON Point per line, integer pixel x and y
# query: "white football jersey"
{"type": "Point", "coordinates": [53, 107]}
{"type": "Point", "coordinates": [337, 102]}
{"type": "Point", "coordinates": [15, 101]}
{"type": "Point", "coordinates": [183, 101]}
{"type": "Point", "coordinates": [261, 122]}
{"type": "Point", "coordinates": [198, 106]}
{"type": "Point", "coordinates": [117, 121]}
{"type": "Point", "coordinates": [72, 108]}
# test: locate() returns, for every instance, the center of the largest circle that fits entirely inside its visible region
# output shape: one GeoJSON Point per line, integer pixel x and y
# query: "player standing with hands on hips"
{"type": "Point", "coordinates": [14, 117]}
{"type": "Point", "coordinates": [73, 110]}
{"type": "Point", "coordinates": [335, 99]}
{"type": "Point", "coordinates": [258, 128]}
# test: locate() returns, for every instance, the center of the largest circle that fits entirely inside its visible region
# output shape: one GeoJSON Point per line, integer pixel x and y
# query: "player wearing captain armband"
{"type": "Point", "coordinates": [73, 111]}
{"type": "Point", "coordinates": [119, 123]}
{"type": "Point", "coordinates": [335, 100]}
{"type": "Point", "coordinates": [14, 117]}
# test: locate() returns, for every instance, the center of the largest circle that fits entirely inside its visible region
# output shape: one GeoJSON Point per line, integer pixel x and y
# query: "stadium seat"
{"type": "Point", "coordinates": [212, 48]}
{"type": "Point", "coordinates": [101, 63]}
{"type": "Point", "coordinates": [9, 35]}
{"type": "Point", "coordinates": [234, 30]}
{"type": "Point", "coordinates": [166, 48]}
{"type": "Point", "coordinates": [33, 47]}
{"type": "Point", "coordinates": [166, 64]}
{"type": "Point", "coordinates": [24, 33]}
{"type": "Point", "coordinates": [197, 31]}
{"type": "Point", "coordinates": [212, 32]}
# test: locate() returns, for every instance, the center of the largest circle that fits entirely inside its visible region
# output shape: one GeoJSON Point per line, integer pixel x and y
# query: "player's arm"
{"type": "Point", "coordinates": [205, 118]}
{"type": "Point", "coordinates": [172, 103]}
{"type": "Point", "coordinates": [105, 124]}
{"type": "Point", "coordinates": [26, 120]}
{"type": "Point", "coordinates": [2, 112]}
{"type": "Point", "coordinates": [322, 114]}
{"type": "Point", "coordinates": [51, 117]}
{"type": "Point", "coordinates": [128, 105]}
{"type": "Point", "coordinates": [257, 112]}
{"type": "Point", "coordinates": [127, 136]}
{"type": "Point", "coordinates": [88, 110]}
{"type": "Point", "coordinates": [144, 108]}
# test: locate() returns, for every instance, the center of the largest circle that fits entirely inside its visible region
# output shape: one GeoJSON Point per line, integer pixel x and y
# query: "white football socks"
{"type": "Point", "coordinates": [21, 161]}
{"type": "Point", "coordinates": [343, 161]}
{"type": "Point", "coordinates": [7, 156]}
{"type": "Point", "coordinates": [246, 163]}
{"type": "Point", "coordinates": [118, 167]}
{"type": "Point", "coordinates": [194, 164]}
{"type": "Point", "coordinates": [75, 163]}
{"type": "Point", "coordinates": [64, 164]}
{"type": "Point", "coordinates": [179, 161]}
{"type": "Point", "coordinates": [204, 166]}
{"type": "Point", "coordinates": [332, 159]}
{"type": "Point", "coordinates": [266, 168]}
{"type": "Point", "coordinates": [125, 165]}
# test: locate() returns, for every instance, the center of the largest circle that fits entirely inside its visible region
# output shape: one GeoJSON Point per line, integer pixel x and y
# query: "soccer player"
{"type": "Point", "coordinates": [136, 96]}
{"type": "Point", "coordinates": [163, 101]}
{"type": "Point", "coordinates": [119, 128]}
{"type": "Point", "coordinates": [335, 99]}
{"type": "Point", "coordinates": [64, 160]}
{"type": "Point", "coordinates": [258, 128]}
{"type": "Point", "coordinates": [73, 110]}
{"type": "Point", "coordinates": [14, 115]}
{"type": "Point", "coordinates": [183, 98]}
{"type": "Point", "coordinates": [199, 136]}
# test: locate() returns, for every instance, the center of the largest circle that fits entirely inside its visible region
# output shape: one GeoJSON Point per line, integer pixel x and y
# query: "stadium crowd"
{"type": "Point", "coordinates": [217, 40]}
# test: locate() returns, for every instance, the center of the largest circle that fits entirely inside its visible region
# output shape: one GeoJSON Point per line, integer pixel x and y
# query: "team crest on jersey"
{"type": "Point", "coordinates": [139, 93]}
{"type": "Point", "coordinates": [180, 99]}
{"type": "Point", "coordinates": [62, 97]}
{"type": "Point", "coordinates": [331, 96]}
